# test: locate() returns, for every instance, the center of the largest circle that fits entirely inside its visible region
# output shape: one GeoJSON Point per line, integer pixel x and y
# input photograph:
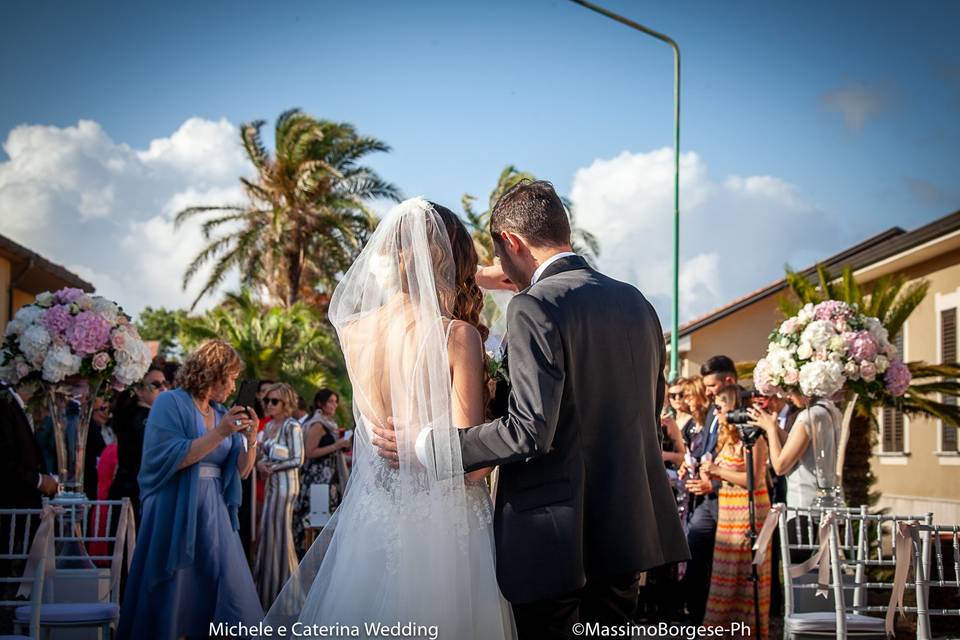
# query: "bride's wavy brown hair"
{"type": "Point", "coordinates": [463, 298]}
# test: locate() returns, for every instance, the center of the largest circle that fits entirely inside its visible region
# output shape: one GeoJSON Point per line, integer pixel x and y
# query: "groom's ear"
{"type": "Point", "coordinates": [511, 241]}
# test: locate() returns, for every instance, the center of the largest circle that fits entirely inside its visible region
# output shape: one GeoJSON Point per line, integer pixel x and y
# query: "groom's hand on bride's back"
{"type": "Point", "coordinates": [385, 441]}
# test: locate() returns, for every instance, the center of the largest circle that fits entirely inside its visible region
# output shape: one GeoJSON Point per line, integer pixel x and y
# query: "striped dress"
{"type": "Point", "coordinates": [731, 590]}
{"type": "Point", "coordinates": [282, 449]}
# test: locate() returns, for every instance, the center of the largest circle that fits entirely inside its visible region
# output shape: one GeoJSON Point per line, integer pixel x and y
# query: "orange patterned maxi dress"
{"type": "Point", "coordinates": [731, 590]}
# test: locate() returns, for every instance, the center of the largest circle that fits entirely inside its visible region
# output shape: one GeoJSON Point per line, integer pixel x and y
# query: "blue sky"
{"type": "Point", "coordinates": [828, 121]}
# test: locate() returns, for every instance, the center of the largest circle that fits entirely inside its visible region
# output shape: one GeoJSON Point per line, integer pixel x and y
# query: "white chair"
{"type": "Point", "coordinates": [78, 531]}
{"type": "Point", "coordinates": [14, 553]}
{"type": "Point", "coordinates": [933, 574]}
{"type": "Point", "coordinates": [876, 548]}
{"type": "Point", "coordinates": [832, 620]}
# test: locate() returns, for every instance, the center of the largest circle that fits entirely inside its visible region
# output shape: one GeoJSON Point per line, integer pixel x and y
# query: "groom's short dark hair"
{"type": "Point", "coordinates": [532, 209]}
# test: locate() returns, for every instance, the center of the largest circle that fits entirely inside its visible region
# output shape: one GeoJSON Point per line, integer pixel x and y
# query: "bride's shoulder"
{"type": "Point", "coordinates": [464, 338]}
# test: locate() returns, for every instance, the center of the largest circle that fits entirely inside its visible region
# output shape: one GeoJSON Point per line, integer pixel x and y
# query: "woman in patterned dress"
{"type": "Point", "coordinates": [280, 457]}
{"type": "Point", "coordinates": [322, 451]}
{"type": "Point", "coordinates": [731, 587]}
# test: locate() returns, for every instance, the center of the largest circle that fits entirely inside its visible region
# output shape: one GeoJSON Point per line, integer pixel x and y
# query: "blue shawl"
{"type": "Point", "coordinates": [172, 426]}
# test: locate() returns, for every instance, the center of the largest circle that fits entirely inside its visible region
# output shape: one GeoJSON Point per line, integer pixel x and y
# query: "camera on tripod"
{"type": "Point", "coordinates": [740, 418]}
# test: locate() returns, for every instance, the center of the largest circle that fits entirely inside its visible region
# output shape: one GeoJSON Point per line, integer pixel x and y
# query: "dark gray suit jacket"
{"type": "Point", "coordinates": [583, 492]}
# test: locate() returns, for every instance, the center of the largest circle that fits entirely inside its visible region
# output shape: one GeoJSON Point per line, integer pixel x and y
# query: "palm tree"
{"type": "Point", "coordinates": [584, 242]}
{"type": "Point", "coordinates": [890, 299]}
{"type": "Point", "coordinates": [307, 214]}
{"type": "Point", "coordinates": [291, 344]}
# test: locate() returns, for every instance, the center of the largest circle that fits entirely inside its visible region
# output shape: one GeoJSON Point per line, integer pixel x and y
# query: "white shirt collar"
{"type": "Point", "coordinates": [546, 263]}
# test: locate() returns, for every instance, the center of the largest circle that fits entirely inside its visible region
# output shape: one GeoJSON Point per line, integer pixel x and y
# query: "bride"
{"type": "Point", "coordinates": [406, 546]}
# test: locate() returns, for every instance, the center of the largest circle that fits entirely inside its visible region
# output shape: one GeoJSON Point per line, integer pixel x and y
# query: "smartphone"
{"type": "Point", "coordinates": [247, 396]}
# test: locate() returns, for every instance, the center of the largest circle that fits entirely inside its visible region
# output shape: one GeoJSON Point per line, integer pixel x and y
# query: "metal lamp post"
{"type": "Point", "coordinates": [674, 325]}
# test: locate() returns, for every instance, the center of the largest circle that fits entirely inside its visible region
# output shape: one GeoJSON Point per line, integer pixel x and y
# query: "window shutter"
{"type": "Point", "coordinates": [948, 353]}
{"type": "Point", "coordinates": [893, 438]}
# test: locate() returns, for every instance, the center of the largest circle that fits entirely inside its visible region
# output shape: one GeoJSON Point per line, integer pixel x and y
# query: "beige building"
{"type": "Point", "coordinates": [916, 461]}
{"type": "Point", "coordinates": [24, 274]}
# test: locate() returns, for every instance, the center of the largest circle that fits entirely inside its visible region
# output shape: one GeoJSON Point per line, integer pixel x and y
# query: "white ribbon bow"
{"type": "Point", "coordinates": [766, 533]}
{"type": "Point", "coordinates": [906, 537]}
{"type": "Point", "coordinates": [823, 575]}
{"type": "Point", "coordinates": [126, 538]}
{"type": "Point", "coordinates": [43, 544]}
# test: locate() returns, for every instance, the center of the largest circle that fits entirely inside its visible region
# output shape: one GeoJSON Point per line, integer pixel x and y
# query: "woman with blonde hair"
{"type": "Point", "coordinates": [281, 454]}
{"type": "Point", "coordinates": [189, 570]}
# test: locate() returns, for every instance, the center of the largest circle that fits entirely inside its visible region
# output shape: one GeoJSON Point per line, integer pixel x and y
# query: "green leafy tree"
{"type": "Point", "coordinates": [934, 390]}
{"type": "Point", "coordinates": [291, 344]}
{"type": "Point", "coordinates": [162, 325]}
{"type": "Point", "coordinates": [584, 242]}
{"type": "Point", "coordinates": [307, 213]}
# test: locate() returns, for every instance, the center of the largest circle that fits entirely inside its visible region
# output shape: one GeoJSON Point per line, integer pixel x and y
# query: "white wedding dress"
{"type": "Point", "coordinates": [405, 546]}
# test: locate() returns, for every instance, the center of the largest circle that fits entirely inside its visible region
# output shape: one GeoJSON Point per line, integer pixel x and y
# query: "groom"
{"type": "Point", "coordinates": [583, 503]}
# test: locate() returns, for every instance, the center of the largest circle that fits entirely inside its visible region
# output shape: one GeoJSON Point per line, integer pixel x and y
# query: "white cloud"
{"type": "Point", "coordinates": [736, 233]}
{"type": "Point", "coordinates": [81, 199]}
{"type": "Point", "coordinates": [856, 103]}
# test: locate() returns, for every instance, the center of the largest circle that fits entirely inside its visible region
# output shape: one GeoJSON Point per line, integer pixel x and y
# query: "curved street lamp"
{"type": "Point", "coordinates": [674, 324]}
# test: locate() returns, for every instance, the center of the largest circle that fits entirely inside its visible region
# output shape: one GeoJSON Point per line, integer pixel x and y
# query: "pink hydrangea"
{"type": "Point", "coordinates": [89, 333]}
{"type": "Point", "coordinates": [862, 345]}
{"type": "Point", "coordinates": [833, 311]}
{"type": "Point", "coordinates": [57, 320]}
{"type": "Point", "coordinates": [897, 378]}
{"type": "Point", "coordinates": [68, 295]}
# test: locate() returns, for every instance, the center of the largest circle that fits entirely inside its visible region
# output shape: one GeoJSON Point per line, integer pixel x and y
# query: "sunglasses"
{"type": "Point", "coordinates": [158, 385]}
{"type": "Point", "coordinates": [272, 401]}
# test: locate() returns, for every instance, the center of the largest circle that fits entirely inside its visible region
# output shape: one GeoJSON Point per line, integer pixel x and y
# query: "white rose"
{"type": "Point", "coordinates": [818, 333]}
{"type": "Point", "coordinates": [34, 343]}
{"type": "Point", "coordinates": [45, 299]}
{"type": "Point", "coordinates": [852, 371]}
{"type": "Point", "coordinates": [882, 363]}
{"type": "Point", "coordinates": [837, 344]}
{"type": "Point", "coordinates": [805, 351]}
{"type": "Point", "coordinates": [85, 303]}
{"type": "Point", "coordinates": [60, 363]}
{"type": "Point", "coordinates": [821, 378]}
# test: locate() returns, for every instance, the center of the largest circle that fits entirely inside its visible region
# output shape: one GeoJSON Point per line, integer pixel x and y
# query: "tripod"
{"type": "Point", "coordinates": [749, 437]}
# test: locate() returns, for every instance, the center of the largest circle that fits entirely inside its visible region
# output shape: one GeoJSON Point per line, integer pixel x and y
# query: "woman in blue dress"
{"type": "Point", "coordinates": [189, 569]}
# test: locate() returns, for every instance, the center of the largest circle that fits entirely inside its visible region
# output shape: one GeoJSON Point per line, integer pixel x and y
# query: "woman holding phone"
{"type": "Point", "coordinates": [189, 570]}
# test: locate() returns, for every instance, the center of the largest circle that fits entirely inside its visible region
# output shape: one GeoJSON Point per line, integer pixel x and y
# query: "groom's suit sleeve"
{"type": "Point", "coordinates": [536, 370]}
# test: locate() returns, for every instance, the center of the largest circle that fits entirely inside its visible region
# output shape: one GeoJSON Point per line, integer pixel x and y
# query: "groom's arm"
{"type": "Point", "coordinates": [536, 370]}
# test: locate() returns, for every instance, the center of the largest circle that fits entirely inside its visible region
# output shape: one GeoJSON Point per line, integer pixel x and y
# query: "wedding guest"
{"type": "Point", "coordinates": [129, 425]}
{"type": "Point", "coordinates": [716, 372]}
{"type": "Point", "coordinates": [96, 443]}
{"type": "Point", "coordinates": [324, 464]}
{"type": "Point", "coordinates": [731, 587]}
{"type": "Point", "coordinates": [677, 401]}
{"type": "Point", "coordinates": [696, 402]}
{"type": "Point", "coordinates": [23, 483]}
{"type": "Point", "coordinates": [106, 470]}
{"type": "Point", "coordinates": [279, 460]}
{"type": "Point", "coordinates": [188, 569]}
{"type": "Point", "coordinates": [300, 413]}
{"type": "Point", "coordinates": [23, 471]}
{"type": "Point", "coordinates": [672, 447]}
